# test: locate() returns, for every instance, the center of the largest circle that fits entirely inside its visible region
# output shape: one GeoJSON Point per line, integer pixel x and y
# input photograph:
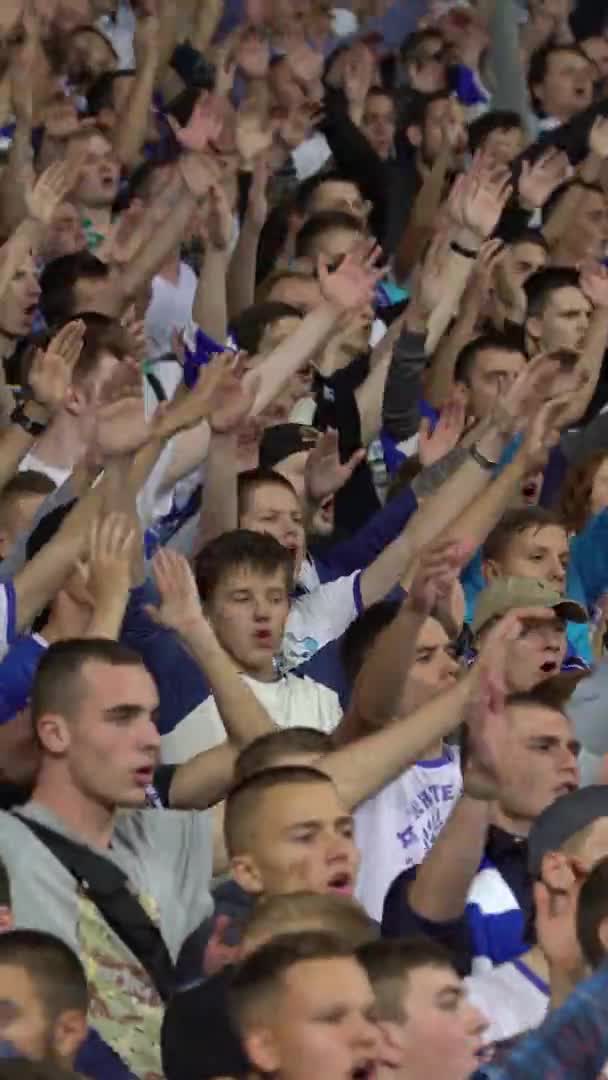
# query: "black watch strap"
{"type": "Point", "coordinates": [32, 427]}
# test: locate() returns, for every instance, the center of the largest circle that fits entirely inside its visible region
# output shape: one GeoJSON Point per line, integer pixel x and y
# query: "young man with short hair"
{"type": "Point", "coordinates": [284, 998]}
{"type": "Point", "coordinates": [428, 1027]}
{"type": "Point", "coordinates": [44, 990]}
{"type": "Point", "coordinates": [473, 891]}
{"type": "Point", "coordinates": [94, 711]}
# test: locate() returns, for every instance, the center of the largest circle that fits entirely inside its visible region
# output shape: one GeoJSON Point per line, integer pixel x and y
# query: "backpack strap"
{"type": "Point", "coordinates": [108, 887]}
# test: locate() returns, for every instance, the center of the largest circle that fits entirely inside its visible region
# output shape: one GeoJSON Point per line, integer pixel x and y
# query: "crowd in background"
{"type": "Point", "coordinates": [303, 539]}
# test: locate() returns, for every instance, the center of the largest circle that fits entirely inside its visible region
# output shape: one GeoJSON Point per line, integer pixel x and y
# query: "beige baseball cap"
{"type": "Point", "coordinates": [507, 593]}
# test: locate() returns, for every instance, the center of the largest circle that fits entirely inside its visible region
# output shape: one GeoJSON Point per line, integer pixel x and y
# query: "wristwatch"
{"type": "Point", "coordinates": [32, 427]}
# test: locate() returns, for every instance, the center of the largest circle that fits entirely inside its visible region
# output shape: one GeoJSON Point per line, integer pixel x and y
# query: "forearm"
{"type": "Point", "coordinates": [451, 501]}
{"type": "Point", "coordinates": [591, 363]}
{"type": "Point", "coordinates": [403, 384]}
{"type": "Point", "coordinates": [16, 249]}
{"type": "Point", "coordinates": [209, 310]}
{"type": "Point", "coordinates": [204, 780]}
{"type": "Point", "coordinates": [380, 683]}
{"type": "Point", "coordinates": [422, 221]}
{"type": "Point", "coordinates": [439, 379]}
{"type": "Point", "coordinates": [219, 513]}
{"type": "Point", "coordinates": [457, 272]}
{"type": "Point", "coordinates": [130, 130]}
{"type": "Point", "coordinates": [41, 578]}
{"type": "Point", "coordinates": [242, 270]}
{"type": "Point", "coordinates": [275, 372]}
{"type": "Point", "coordinates": [243, 717]}
{"type": "Point", "coordinates": [109, 613]}
{"type": "Point", "coordinates": [439, 892]}
{"type": "Point", "coordinates": [485, 511]}
{"type": "Point", "coordinates": [206, 24]}
{"type": "Point", "coordinates": [153, 254]}
{"type": "Point", "coordinates": [362, 768]}
{"type": "Point", "coordinates": [563, 215]}
{"type": "Point", "coordinates": [429, 522]}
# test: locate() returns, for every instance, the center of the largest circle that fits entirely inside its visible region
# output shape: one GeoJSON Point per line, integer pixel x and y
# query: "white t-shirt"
{"type": "Point", "coordinates": [291, 701]}
{"type": "Point", "coordinates": [397, 827]}
{"type": "Point", "coordinates": [169, 309]}
{"type": "Point", "coordinates": [511, 996]}
{"type": "Point", "coordinates": [319, 617]}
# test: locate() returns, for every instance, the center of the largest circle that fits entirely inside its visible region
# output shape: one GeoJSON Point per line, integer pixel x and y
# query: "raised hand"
{"type": "Point", "coordinates": [180, 605]}
{"type": "Point", "coordinates": [50, 191]}
{"type": "Point", "coordinates": [556, 923]}
{"type": "Point", "coordinates": [218, 954]}
{"type": "Point", "coordinates": [352, 285]}
{"type": "Point", "coordinates": [204, 126]}
{"type": "Point", "coordinates": [217, 222]}
{"type": "Point", "coordinates": [594, 283]}
{"type": "Point", "coordinates": [538, 180]}
{"type": "Point", "coordinates": [187, 410]}
{"type": "Point", "coordinates": [429, 281]}
{"type": "Point", "coordinates": [526, 394]}
{"type": "Point", "coordinates": [434, 444]}
{"type": "Point", "coordinates": [120, 425]}
{"type": "Point", "coordinates": [235, 399]}
{"type": "Point", "coordinates": [52, 369]}
{"type": "Point", "coordinates": [254, 135]}
{"type": "Point", "coordinates": [253, 54]}
{"type": "Point", "coordinates": [485, 198]}
{"type": "Point", "coordinates": [436, 574]}
{"type": "Point", "coordinates": [325, 474]}
{"type": "Point", "coordinates": [129, 233]}
{"type": "Point", "coordinates": [111, 550]}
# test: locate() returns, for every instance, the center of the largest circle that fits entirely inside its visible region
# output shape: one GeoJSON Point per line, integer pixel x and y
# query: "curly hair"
{"type": "Point", "coordinates": [577, 488]}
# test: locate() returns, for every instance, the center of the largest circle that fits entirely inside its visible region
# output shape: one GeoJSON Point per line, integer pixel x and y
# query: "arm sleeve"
{"type": "Point", "coordinates": [402, 390]}
{"type": "Point", "coordinates": [399, 920]}
{"type": "Point", "coordinates": [181, 683]}
{"type": "Point", "coordinates": [98, 1061]}
{"type": "Point", "coordinates": [360, 550]}
{"type": "Point", "coordinates": [17, 671]}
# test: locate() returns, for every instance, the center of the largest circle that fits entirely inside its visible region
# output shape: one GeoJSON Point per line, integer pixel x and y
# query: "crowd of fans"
{"type": "Point", "coordinates": [303, 539]}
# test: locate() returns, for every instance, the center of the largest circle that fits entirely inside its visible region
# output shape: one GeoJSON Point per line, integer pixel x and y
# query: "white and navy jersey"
{"type": "Point", "coordinates": [396, 828]}
{"type": "Point", "coordinates": [8, 616]}
{"type": "Point", "coordinates": [512, 997]}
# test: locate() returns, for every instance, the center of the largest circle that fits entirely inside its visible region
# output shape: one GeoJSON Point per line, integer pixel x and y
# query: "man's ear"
{"type": "Point", "coordinates": [69, 1033]}
{"type": "Point", "coordinates": [602, 933]}
{"type": "Point", "coordinates": [490, 570]}
{"type": "Point", "coordinates": [246, 873]}
{"type": "Point", "coordinates": [262, 1050]}
{"type": "Point", "coordinates": [414, 134]}
{"type": "Point", "coordinates": [54, 733]}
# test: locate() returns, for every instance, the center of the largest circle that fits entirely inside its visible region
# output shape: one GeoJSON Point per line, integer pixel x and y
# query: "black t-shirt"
{"type": "Point", "coordinates": [198, 1039]}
